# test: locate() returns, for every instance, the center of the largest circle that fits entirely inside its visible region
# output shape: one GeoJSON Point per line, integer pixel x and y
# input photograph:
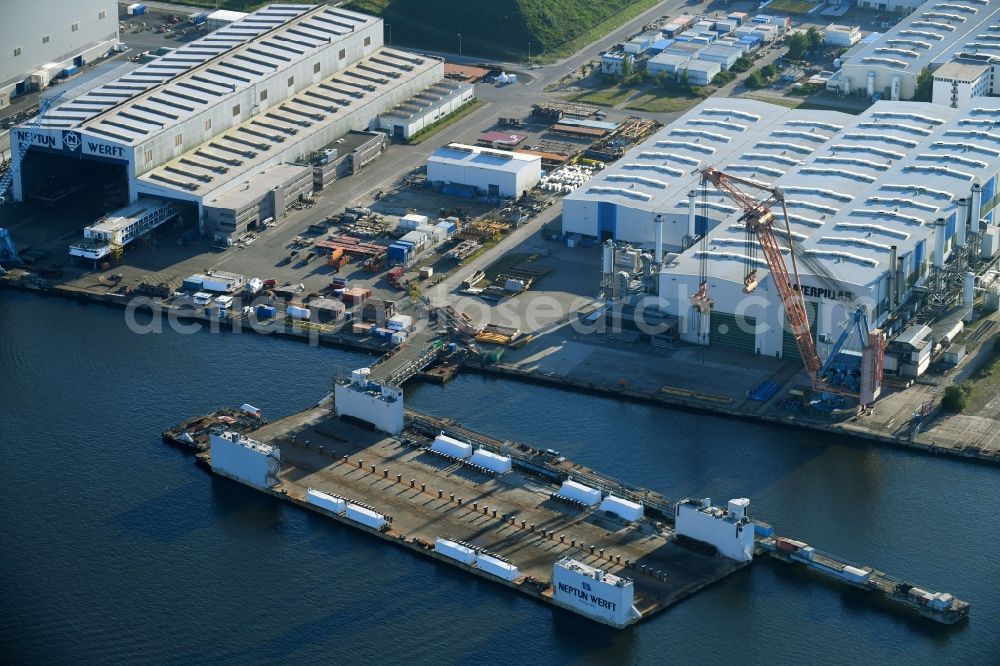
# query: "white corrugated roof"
{"type": "Point", "coordinates": [932, 33]}
{"type": "Point", "coordinates": [459, 154]}
{"type": "Point", "coordinates": [202, 73]}
{"type": "Point", "coordinates": [882, 180]}
{"type": "Point", "coordinates": [239, 150]}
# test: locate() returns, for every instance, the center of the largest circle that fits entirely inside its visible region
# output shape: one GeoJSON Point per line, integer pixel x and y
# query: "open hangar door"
{"type": "Point", "coordinates": [86, 184]}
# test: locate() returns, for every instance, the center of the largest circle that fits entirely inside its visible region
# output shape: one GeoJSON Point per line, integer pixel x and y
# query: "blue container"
{"type": "Point", "coordinates": [763, 529]}
{"type": "Point", "coordinates": [198, 19]}
{"type": "Point", "coordinates": [191, 285]}
{"type": "Point", "coordinates": [70, 71]}
{"type": "Point", "coordinates": [266, 312]}
{"type": "Point", "coordinates": [398, 252]}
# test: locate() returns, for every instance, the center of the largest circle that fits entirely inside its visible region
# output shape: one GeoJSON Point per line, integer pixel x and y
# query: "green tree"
{"type": "Point", "coordinates": [685, 81]}
{"type": "Point", "coordinates": [769, 72]}
{"type": "Point", "coordinates": [925, 86]}
{"type": "Point", "coordinates": [815, 40]}
{"type": "Point", "coordinates": [755, 80]}
{"type": "Point", "coordinates": [627, 67]}
{"type": "Point", "coordinates": [954, 399]}
{"type": "Point", "coordinates": [742, 64]}
{"type": "Point", "coordinates": [797, 46]}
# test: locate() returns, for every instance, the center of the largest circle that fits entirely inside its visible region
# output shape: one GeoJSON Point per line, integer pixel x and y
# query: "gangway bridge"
{"type": "Point", "coordinates": [420, 351]}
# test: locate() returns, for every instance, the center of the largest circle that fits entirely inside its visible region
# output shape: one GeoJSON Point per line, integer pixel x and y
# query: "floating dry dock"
{"type": "Point", "coordinates": [523, 518]}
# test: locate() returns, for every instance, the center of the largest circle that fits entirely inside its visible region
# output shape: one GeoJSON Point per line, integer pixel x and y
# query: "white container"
{"type": "Point", "coordinates": [397, 338]}
{"type": "Point", "coordinates": [296, 312]}
{"type": "Point", "coordinates": [360, 514]}
{"type": "Point", "coordinates": [254, 285]}
{"type": "Point", "coordinates": [400, 322]}
{"type": "Point", "coordinates": [451, 447]}
{"type": "Point", "coordinates": [412, 221]}
{"type": "Point", "coordinates": [623, 508]}
{"type": "Point", "coordinates": [455, 551]}
{"type": "Point", "coordinates": [498, 568]}
{"type": "Point", "coordinates": [433, 234]}
{"type": "Point", "coordinates": [580, 493]}
{"type": "Point", "coordinates": [202, 298]}
{"type": "Point", "coordinates": [855, 575]}
{"type": "Point", "coordinates": [329, 502]}
{"type": "Point", "coordinates": [491, 461]}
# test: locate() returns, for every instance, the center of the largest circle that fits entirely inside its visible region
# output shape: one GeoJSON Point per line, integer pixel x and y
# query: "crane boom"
{"type": "Point", "coordinates": [19, 148]}
{"type": "Point", "coordinates": [759, 219]}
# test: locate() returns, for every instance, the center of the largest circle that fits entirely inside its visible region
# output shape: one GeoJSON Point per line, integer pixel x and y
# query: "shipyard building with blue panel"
{"type": "Point", "coordinates": [885, 209]}
{"type": "Point", "coordinates": [220, 126]}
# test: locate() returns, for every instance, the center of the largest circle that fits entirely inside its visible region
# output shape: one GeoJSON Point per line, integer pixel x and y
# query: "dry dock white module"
{"type": "Point", "coordinates": [623, 508]}
{"type": "Point", "coordinates": [497, 567]}
{"type": "Point", "coordinates": [492, 461]}
{"type": "Point", "coordinates": [729, 530]}
{"type": "Point", "coordinates": [450, 446]}
{"type": "Point", "coordinates": [580, 493]}
{"type": "Point", "coordinates": [245, 459]}
{"type": "Point", "coordinates": [360, 514]}
{"type": "Point", "coordinates": [592, 592]}
{"type": "Point", "coordinates": [455, 551]}
{"type": "Point", "coordinates": [325, 501]}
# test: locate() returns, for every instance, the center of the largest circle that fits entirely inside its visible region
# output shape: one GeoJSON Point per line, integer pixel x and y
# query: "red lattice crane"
{"type": "Point", "coordinates": [759, 221]}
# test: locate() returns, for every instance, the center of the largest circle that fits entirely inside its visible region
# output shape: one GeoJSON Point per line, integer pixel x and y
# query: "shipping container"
{"type": "Point", "coordinates": [449, 226]}
{"type": "Point", "coordinates": [855, 575]}
{"type": "Point", "coordinates": [266, 312]}
{"type": "Point", "coordinates": [397, 338]}
{"type": "Point", "coordinates": [412, 221]}
{"type": "Point", "coordinates": [398, 253]}
{"type": "Point", "coordinates": [400, 322]}
{"type": "Point", "coordinates": [296, 312]}
{"type": "Point", "coordinates": [426, 272]}
{"type": "Point", "coordinates": [356, 295]}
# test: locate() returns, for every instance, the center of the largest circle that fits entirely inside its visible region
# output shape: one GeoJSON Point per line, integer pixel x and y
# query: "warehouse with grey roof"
{"type": "Point", "coordinates": [212, 115]}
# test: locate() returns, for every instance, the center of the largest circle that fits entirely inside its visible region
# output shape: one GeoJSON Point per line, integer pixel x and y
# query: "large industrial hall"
{"type": "Point", "coordinates": [225, 111]}
{"type": "Point", "coordinates": [869, 227]}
